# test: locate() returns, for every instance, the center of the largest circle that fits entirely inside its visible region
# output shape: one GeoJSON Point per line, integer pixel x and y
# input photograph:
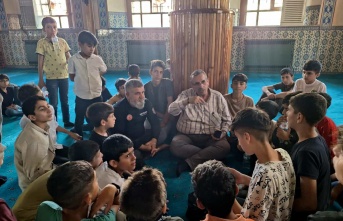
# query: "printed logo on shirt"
{"type": "Point", "coordinates": [129, 117]}
{"type": "Point", "coordinates": [143, 113]}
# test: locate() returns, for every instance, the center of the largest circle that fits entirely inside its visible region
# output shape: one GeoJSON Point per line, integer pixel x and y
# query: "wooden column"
{"type": "Point", "coordinates": [200, 38]}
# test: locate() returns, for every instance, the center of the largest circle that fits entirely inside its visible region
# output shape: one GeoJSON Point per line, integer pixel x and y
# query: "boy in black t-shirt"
{"type": "Point", "coordinates": [310, 155]}
{"type": "Point", "coordinates": [101, 115]}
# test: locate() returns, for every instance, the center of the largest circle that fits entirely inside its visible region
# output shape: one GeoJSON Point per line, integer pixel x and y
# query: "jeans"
{"type": "Point", "coordinates": [81, 106]}
{"type": "Point", "coordinates": [59, 85]}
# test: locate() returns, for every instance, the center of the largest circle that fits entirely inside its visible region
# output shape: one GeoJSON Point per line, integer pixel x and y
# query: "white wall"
{"type": "Point", "coordinates": [235, 3]}
{"type": "Point", "coordinates": [116, 5]}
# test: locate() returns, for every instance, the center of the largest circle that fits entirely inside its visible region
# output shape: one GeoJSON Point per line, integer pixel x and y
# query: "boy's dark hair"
{"type": "Point", "coordinates": [143, 195]}
{"type": "Point", "coordinates": [87, 37]}
{"type": "Point", "coordinates": [254, 121]}
{"type": "Point", "coordinates": [240, 77]}
{"type": "Point", "coordinates": [47, 20]}
{"type": "Point", "coordinates": [215, 187]}
{"type": "Point", "coordinates": [157, 63]}
{"type": "Point", "coordinates": [289, 96]}
{"type": "Point", "coordinates": [119, 82]}
{"type": "Point", "coordinates": [29, 105]}
{"type": "Point", "coordinates": [114, 146]}
{"type": "Point", "coordinates": [4, 76]}
{"type": "Point", "coordinates": [27, 90]}
{"type": "Point", "coordinates": [99, 111]}
{"type": "Point", "coordinates": [70, 183]}
{"type": "Point", "coordinates": [286, 71]}
{"type": "Point", "coordinates": [134, 70]}
{"type": "Point", "coordinates": [313, 65]}
{"type": "Point", "coordinates": [83, 150]}
{"type": "Point", "coordinates": [311, 105]}
{"type": "Point", "coordinates": [328, 99]}
{"type": "Point", "coordinates": [270, 107]}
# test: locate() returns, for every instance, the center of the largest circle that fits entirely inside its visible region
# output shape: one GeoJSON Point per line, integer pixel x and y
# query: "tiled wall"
{"type": "Point", "coordinates": [325, 44]}
{"type": "Point", "coordinates": [117, 20]}
{"type": "Point", "coordinates": [327, 14]}
{"type": "Point", "coordinates": [312, 15]}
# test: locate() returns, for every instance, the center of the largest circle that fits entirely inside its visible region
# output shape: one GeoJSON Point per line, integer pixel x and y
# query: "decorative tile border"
{"type": "Point", "coordinates": [103, 15]}
{"type": "Point", "coordinates": [328, 11]}
{"type": "Point", "coordinates": [312, 15]}
{"type": "Point", "coordinates": [117, 20]}
{"type": "Point", "coordinates": [3, 18]}
{"type": "Point", "coordinates": [77, 13]}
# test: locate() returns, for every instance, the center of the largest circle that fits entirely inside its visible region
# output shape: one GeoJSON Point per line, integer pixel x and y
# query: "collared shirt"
{"type": "Point", "coordinates": [53, 124]}
{"type": "Point", "coordinates": [87, 81]}
{"type": "Point", "coordinates": [203, 118]}
{"type": "Point", "coordinates": [316, 86]}
{"type": "Point", "coordinates": [235, 106]}
{"type": "Point", "coordinates": [33, 154]}
{"type": "Point", "coordinates": [55, 61]}
{"type": "Point", "coordinates": [106, 176]}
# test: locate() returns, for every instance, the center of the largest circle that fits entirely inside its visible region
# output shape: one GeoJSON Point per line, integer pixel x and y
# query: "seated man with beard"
{"type": "Point", "coordinates": [130, 113]}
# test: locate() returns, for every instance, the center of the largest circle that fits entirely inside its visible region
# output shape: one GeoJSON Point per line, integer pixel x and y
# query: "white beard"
{"type": "Point", "coordinates": [138, 104]}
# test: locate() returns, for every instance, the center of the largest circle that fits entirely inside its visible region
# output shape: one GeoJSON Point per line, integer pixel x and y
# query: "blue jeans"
{"type": "Point", "coordinates": [61, 85]}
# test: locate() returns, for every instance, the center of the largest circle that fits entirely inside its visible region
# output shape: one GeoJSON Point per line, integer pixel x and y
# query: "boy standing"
{"type": "Point", "coordinates": [160, 92]}
{"type": "Point", "coordinates": [9, 108]}
{"type": "Point", "coordinates": [237, 101]}
{"type": "Point", "coordinates": [85, 69]}
{"type": "Point", "coordinates": [144, 196]}
{"type": "Point", "coordinates": [101, 116]}
{"type": "Point", "coordinates": [119, 159]}
{"type": "Point", "coordinates": [272, 184]}
{"type": "Point", "coordinates": [53, 54]}
{"type": "Point", "coordinates": [310, 155]}
{"type": "Point", "coordinates": [215, 188]}
{"type": "Point", "coordinates": [309, 82]}
{"type": "Point", "coordinates": [34, 149]}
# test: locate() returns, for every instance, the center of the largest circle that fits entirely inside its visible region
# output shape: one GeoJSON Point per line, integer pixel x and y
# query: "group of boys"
{"type": "Point", "coordinates": [280, 183]}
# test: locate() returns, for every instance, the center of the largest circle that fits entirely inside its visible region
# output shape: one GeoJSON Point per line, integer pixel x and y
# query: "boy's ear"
{"type": "Point", "coordinates": [300, 118]}
{"type": "Point", "coordinates": [79, 43]}
{"type": "Point", "coordinates": [317, 75]}
{"type": "Point", "coordinates": [102, 122]}
{"type": "Point", "coordinates": [200, 205]}
{"type": "Point", "coordinates": [247, 136]}
{"type": "Point", "coordinates": [88, 199]}
{"type": "Point", "coordinates": [32, 117]}
{"type": "Point", "coordinates": [113, 163]}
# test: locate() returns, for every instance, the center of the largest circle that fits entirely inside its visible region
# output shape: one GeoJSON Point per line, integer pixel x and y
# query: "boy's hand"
{"type": "Point", "coordinates": [105, 198]}
{"type": "Point", "coordinates": [196, 100]}
{"type": "Point", "coordinates": [145, 148]}
{"type": "Point", "coordinates": [154, 151]}
{"type": "Point", "coordinates": [240, 177]}
{"type": "Point", "coordinates": [152, 143]}
{"type": "Point", "coordinates": [41, 84]}
{"type": "Point", "coordinates": [75, 136]}
{"type": "Point", "coordinates": [281, 119]}
{"type": "Point", "coordinates": [283, 134]}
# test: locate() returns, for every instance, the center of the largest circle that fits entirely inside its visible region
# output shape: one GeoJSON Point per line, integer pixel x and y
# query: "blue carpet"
{"type": "Point", "coordinates": [178, 188]}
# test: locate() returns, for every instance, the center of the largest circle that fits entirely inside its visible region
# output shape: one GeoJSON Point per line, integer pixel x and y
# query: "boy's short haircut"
{"type": "Point", "coordinates": [157, 63]}
{"type": "Point", "coordinates": [254, 121]}
{"type": "Point", "coordinates": [286, 71]}
{"type": "Point", "coordinates": [289, 96]}
{"type": "Point", "coordinates": [48, 20]}
{"type": "Point", "coordinates": [87, 37]}
{"type": "Point", "coordinates": [270, 107]}
{"type": "Point", "coordinates": [313, 65]}
{"type": "Point", "coordinates": [311, 105]}
{"type": "Point", "coordinates": [29, 105]}
{"type": "Point", "coordinates": [143, 195]}
{"type": "Point", "coordinates": [114, 146]}
{"type": "Point", "coordinates": [27, 90]}
{"type": "Point", "coordinates": [328, 99]}
{"type": "Point", "coordinates": [134, 70]}
{"type": "Point", "coordinates": [83, 150]}
{"type": "Point", "coordinates": [133, 83]}
{"type": "Point", "coordinates": [70, 183]}
{"type": "Point", "coordinates": [240, 77]}
{"type": "Point", "coordinates": [99, 111]}
{"type": "Point", "coordinates": [119, 82]}
{"type": "Point", "coordinates": [215, 187]}
{"type": "Point", "coordinates": [4, 76]}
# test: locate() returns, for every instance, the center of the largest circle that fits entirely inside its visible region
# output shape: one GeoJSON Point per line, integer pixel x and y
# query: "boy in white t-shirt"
{"type": "Point", "coordinates": [309, 82]}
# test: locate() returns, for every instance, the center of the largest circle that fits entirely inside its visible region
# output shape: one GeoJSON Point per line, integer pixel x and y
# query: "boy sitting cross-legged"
{"type": "Point", "coordinates": [34, 149]}
{"type": "Point", "coordinates": [144, 196]}
{"type": "Point", "coordinates": [215, 188]}
{"type": "Point", "coordinates": [119, 160]}
{"type": "Point", "coordinates": [272, 184]}
{"type": "Point", "coordinates": [310, 156]}
{"type": "Point", "coordinates": [101, 116]}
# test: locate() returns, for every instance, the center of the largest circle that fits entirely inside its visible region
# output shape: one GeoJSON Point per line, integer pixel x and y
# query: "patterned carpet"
{"type": "Point", "coordinates": [178, 188]}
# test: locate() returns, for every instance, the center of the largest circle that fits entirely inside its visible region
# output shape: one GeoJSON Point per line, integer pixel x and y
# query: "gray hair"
{"type": "Point", "coordinates": [133, 83]}
{"type": "Point", "coordinates": [198, 72]}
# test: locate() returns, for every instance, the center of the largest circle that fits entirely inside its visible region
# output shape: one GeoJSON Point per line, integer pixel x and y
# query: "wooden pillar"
{"type": "Point", "coordinates": [200, 38]}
